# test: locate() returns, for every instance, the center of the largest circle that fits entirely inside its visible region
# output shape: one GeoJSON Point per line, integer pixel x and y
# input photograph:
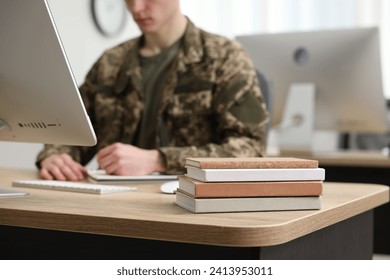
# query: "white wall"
{"type": "Point", "coordinates": [82, 41]}
{"type": "Point", "coordinates": [83, 44]}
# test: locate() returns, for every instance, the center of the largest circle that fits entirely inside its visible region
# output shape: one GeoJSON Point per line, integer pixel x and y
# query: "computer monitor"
{"type": "Point", "coordinates": [339, 70]}
{"type": "Point", "coordinates": [39, 98]}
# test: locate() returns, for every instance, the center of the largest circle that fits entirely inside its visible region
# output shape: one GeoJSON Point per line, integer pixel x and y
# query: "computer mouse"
{"type": "Point", "coordinates": [169, 187]}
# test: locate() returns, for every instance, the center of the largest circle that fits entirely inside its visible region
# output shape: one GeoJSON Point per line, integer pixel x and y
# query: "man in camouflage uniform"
{"type": "Point", "coordinates": [174, 92]}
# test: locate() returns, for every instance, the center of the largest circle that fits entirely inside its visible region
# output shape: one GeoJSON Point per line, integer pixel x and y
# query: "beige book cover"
{"type": "Point", "coordinates": [253, 162]}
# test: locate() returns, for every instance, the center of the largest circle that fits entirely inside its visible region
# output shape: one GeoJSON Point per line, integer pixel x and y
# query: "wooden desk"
{"type": "Point", "coordinates": [361, 167]}
{"type": "Point", "coordinates": [350, 158]}
{"type": "Point", "coordinates": [342, 229]}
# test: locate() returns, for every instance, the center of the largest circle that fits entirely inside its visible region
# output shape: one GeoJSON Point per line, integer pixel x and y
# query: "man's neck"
{"type": "Point", "coordinates": [169, 34]}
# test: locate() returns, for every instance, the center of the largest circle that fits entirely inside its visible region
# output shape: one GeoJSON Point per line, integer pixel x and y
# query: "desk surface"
{"type": "Point", "coordinates": [150, 214]}
{"type": "Point", "coordinates": [351, 158]}
{"type": "Point", "coordinates": [354, 158]}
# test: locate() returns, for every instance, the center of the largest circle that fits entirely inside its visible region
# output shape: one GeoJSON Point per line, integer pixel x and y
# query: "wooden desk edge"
{"type": "Point", "coordinates": [190, 233]}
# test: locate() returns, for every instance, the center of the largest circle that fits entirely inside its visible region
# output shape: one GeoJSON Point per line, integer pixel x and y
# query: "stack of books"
{"type": "Point", "coordinates": [214, 185]}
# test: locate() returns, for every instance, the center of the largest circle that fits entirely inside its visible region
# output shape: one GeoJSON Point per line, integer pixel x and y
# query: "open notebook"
{"type": "Point", "coordinates": [101, 176]}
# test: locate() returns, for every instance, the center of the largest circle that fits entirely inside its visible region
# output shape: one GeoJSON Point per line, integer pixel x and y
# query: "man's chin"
{"type": "Point", "coordinates": [148, 31]}
{"type": "Point", "coordinates": [147, 27]}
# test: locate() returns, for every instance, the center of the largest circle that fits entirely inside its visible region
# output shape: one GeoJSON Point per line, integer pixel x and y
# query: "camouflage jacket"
{"type": "Point", "coordinates": [211, 106]}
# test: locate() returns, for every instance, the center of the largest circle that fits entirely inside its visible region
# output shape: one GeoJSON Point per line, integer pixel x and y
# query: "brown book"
{"type": "Point", "coordinates": [253, 162]}
{"type": "Point", "coordinates": [200, 189]}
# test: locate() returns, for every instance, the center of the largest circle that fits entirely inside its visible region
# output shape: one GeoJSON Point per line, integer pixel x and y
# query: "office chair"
{"type": "Point", "coordinates": [266, 91]}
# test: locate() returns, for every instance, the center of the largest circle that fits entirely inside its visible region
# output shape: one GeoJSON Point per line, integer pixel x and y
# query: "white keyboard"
{"type": "Point", "coordinates": [81, 187]}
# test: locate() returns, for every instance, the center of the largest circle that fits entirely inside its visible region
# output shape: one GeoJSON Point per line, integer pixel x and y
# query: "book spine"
{"type": "Point", "coordinates": [248, 204]}
{"type": "Point", "coordinates": [299, 188]}
{"type": "Point", "coordinates": [247, 175]}
{"type": "Point", "coordinates": [248, 164]}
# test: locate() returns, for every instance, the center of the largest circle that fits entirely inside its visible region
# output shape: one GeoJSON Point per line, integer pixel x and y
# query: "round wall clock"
{"type": "Point", "coordinates": [109, 16]}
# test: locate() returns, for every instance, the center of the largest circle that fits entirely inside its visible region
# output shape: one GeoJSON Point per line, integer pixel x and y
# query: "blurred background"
{"type": "Point", "coordinates": [84, 41]}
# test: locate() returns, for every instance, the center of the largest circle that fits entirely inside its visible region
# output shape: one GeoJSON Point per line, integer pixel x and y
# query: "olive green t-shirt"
{"type": "Point", "coordinates": [154, 72]}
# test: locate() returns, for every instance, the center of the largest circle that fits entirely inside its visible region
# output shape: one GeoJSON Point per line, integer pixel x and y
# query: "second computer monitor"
{"type": "Point", "coordinates": [343, 65]}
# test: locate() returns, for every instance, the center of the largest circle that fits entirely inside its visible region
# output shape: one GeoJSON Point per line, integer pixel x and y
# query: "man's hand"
{"type": "Point", "coordinates": [63, 168]}
{"type": "Point", "coordinates": [124, 159]}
